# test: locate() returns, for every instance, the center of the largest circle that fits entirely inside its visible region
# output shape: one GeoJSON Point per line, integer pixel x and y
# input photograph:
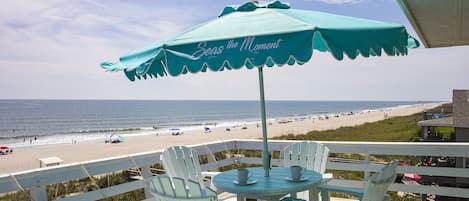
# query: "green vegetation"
{"type": "Point", "coordinates": [444, 131]}
{"type": "Point", "coordinates": [397, 129]}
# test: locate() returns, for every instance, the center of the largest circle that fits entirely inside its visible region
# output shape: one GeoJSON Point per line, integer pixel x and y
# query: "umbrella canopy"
{"type": "Point", "coordinates": [116, 138]}
{"type": "Point", "coordinates": [263, 35]}
{"type": "Point", "coordinates": [258, 35]}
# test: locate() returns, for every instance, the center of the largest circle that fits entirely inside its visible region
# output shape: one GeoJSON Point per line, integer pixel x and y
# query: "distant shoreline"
{"type": "Point", "coordinates": [90, 135]}
{"type": "Point", "coordinates": [27, 158]}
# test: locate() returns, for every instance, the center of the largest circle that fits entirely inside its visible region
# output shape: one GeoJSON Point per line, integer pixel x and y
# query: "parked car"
{"type": "Point", "coordinates": [5, 150]}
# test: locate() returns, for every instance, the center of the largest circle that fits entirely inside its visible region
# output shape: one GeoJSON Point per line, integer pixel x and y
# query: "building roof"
{"type": "Point", "coordinates": [439, 23]}
{"type": "Point", "coordinates": [443, 122]}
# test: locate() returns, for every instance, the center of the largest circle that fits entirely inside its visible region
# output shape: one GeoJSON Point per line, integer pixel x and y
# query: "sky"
{"type": "Point", "coordinates": [52, 50]}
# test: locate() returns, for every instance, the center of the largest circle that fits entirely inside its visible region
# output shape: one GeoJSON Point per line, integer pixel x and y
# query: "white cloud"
{"type": "Point", "coordinates": [57, 31]}
{"type": "Point", "coordinates": [52, 49]}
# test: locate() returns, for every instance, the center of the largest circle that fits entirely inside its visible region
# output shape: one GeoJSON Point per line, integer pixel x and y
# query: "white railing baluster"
{"type": "Point", "coordinates": [38, 193]}
{"type": "Point", "coordinates": [146, 174]}
{"type": "Point", "coordinates": [366, 161]}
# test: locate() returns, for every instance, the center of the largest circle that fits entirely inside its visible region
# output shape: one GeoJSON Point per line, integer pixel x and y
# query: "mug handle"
{"type": "Point", "coordinates": [303, 170]}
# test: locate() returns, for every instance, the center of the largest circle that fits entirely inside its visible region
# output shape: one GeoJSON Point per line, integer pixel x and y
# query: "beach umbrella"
{"type": "Point", "coordinates": [256, 36]}
{"type": "Point", "coordinates": [116, 138]}
{"type": "Point", "coordinates": [175, 131]}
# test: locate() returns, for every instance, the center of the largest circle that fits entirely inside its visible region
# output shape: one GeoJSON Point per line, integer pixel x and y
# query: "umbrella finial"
{"type": "Point", "coordinates": [252, 6]}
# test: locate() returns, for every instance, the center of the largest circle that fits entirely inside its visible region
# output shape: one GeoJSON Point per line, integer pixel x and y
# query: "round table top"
{"type": "Point", "coordinates": [275, 185]}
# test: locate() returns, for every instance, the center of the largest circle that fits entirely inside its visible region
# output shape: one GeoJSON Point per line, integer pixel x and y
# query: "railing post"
{"type": "Point", "coordinates": [38, 193]}
{"type": "Point", "coordinates": [146, 174]}
{"type": "Point", "coordinates": [367, 161]}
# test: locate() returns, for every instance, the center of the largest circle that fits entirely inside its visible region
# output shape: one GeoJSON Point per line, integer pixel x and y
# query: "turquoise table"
{"type": "Point", "coordinates": [266, 188]}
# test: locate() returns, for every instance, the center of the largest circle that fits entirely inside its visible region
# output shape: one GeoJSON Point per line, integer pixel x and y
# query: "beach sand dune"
{"type": "Point", "coordinates": [28, 158]}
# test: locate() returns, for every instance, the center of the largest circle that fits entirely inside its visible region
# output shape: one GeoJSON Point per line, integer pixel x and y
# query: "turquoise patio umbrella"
{"type": "Point", "coordinates": [256, 35]}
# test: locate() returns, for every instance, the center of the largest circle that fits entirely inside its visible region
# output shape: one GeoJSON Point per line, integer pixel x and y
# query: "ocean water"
{"type": "Point", "coordinates": [65, 121]}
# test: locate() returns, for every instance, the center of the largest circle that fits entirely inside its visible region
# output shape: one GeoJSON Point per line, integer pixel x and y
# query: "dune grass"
{"type": "Point", "coordinates": [396, 129]}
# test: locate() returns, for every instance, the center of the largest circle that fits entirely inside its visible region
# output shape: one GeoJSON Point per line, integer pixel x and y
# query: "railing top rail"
{"type": "Point", "coordinates": [456, 149]}
{"type": "Point", "coordinates": [50, 175]}
{"type": "Point", "coordinates": [333, 144]}
{"type": "Point", "coordinates": [137, 156]}
{"type": "Point", "coordinates": [365, 143]}
{"type": "Point", "coordinates": [54, 174]}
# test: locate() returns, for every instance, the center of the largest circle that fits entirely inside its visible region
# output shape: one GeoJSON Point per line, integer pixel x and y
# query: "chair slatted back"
{"type": "Point", "coordinates": [164, 188]}
{"type": "Point", "coordinates": [183, 162]}
{"type": "Point", "coordinates": [310, 155]}
{"type": "Point", "coordinates": [378, 184]}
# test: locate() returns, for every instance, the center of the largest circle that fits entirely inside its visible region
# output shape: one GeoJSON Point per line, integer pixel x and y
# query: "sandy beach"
{"type": "Point", "coordinates": [27, 158]}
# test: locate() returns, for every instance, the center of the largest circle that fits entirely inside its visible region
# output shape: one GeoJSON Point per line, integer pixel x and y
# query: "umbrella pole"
{"type": "Point", "coordinates": [265, 151]}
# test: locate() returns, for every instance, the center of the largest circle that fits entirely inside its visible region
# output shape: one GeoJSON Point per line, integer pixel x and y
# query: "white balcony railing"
{"type": "Point", "coordinates": [36, 180]}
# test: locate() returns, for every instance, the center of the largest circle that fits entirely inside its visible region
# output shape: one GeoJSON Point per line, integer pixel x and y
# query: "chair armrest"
{"type": "Point", "coordinates": [353, 191]}
{"type": "Point", "coordinates": [327, 176]}
{"type": "Point", "coordinates": [209, 192]}
{"type": "Point", "coordinates": [209, 174]}
{"type": "Point", "coordinates": [209, 182]}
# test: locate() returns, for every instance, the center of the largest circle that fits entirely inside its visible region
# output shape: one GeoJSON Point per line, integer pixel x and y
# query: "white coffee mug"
{"type": "Point", "coordinates": [243, 176]}
{"type": "Point", "coordinates": [296, 172]}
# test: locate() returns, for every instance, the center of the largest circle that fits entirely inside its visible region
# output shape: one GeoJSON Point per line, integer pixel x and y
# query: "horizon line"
{"type": "Point", "coordinates": [108, 99]}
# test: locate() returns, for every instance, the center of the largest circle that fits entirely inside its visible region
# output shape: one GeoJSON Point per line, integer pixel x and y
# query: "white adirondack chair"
{"type": "Point", "coordinates": [310, 155]}
{"type": "Point", "coordinates": [375, 188]}
{"type": "Point", "coordinates": [183, 162]}
{"type": "Point", "coordinates": [164, 188]}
